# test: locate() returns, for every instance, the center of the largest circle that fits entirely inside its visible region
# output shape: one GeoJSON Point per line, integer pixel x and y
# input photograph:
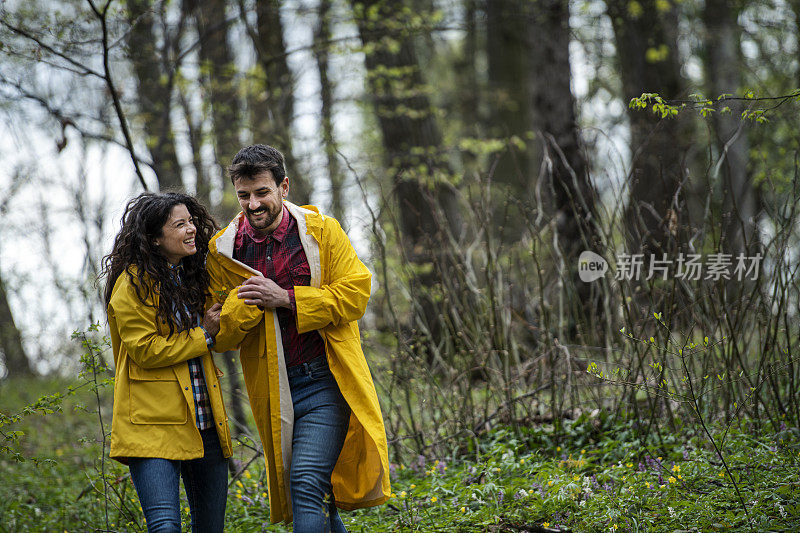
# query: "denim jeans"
{"type": "Point", "coordinates": [321, 418]}
{"type": "Point", "coordinates": [205, 481]}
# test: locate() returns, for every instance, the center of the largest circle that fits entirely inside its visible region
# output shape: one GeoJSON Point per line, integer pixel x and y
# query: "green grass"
{"type": "Point", "coordinates": [596, 475]}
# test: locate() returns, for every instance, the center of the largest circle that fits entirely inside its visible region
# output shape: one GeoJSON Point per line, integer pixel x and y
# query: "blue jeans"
{"type": "Point", "coordinates": [321, 418]}
{"type": "Point", "coordinates": [205, 481]}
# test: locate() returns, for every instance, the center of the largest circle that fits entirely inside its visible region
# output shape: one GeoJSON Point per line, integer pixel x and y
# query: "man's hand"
{"type": "Point", "coordinates": [211, 320]}
{"type": "Point", "coordinates": [263, 292]}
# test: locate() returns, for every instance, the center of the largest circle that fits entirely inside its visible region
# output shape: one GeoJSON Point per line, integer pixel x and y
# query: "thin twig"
{"type": "Point", "coordinates": [101, 15]}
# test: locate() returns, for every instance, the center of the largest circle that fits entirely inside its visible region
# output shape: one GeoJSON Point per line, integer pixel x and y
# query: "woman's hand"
{"type": "Point", "coordinates": [211, 320]}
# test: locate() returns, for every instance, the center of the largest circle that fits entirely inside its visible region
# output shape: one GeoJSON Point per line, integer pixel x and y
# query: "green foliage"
{"type": "Point", "coordinates": [656, 104]}
{"type": "Point", "coordinates": [593, 475]}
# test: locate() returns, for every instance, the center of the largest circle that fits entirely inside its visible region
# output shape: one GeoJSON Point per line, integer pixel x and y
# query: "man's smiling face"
{"type": "Point", "coordinates": [262, 200]}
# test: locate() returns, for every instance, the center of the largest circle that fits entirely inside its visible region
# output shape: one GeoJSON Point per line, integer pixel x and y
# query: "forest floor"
{"type": "Point", "coordinates": [590, 475]}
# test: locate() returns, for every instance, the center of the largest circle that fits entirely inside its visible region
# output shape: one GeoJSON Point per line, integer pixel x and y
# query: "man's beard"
{"type": "Point", "coordinates": [269, 218]}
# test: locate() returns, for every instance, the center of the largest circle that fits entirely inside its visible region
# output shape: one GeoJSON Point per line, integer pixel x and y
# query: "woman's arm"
{"type": "Point", "coordinates": [139, 334]}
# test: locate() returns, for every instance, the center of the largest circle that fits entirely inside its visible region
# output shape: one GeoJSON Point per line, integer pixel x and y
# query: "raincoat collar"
{"type": "Point", "coordinates": [309, 222]}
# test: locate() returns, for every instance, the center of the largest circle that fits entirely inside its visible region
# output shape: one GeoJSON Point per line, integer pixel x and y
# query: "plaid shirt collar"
{"type": "Point", "coordinates": [279, 234]}
{"type": "Point", "coordinates": [176, 270]}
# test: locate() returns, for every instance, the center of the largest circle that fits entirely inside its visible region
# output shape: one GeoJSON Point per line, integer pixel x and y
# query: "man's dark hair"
{"type": "Point", "coordinates": [253, 160]}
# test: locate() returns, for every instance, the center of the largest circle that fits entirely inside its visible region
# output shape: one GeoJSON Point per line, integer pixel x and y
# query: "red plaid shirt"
{"type": "Point", "coordinates": [280, 257]}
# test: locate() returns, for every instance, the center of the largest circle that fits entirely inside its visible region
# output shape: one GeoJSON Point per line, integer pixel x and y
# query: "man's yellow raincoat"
{"type": "Point", "coordinates": [154, 407]}
{"type": "Point", "coordinates": [335, 299]}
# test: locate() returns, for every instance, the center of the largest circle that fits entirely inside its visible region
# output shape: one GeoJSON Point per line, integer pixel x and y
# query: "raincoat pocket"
{"type": "Point", "coordinates": [156, 396]}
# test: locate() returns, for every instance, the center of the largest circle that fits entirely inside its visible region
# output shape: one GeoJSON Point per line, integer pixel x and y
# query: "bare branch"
{"type": "Point", "coordinates": [23, 33]}
{"type": "Point", "coordinates": [112, 89]}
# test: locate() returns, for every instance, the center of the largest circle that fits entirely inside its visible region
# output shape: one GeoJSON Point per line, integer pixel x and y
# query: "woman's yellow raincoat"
{"type": "Point", "coordinates": [154, 411]}
{"type": "Point", "coordinates": [336, 298]}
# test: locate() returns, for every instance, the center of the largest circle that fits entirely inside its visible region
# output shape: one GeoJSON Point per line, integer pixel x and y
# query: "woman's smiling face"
{"type": "Point", "coordinates": [177, 238]}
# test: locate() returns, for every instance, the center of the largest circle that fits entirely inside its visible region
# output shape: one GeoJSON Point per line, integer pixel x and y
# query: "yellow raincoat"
{"type": "Point", "coordinates": [336, 298]}
{"type": "Point", "coordinates": [154, 412]}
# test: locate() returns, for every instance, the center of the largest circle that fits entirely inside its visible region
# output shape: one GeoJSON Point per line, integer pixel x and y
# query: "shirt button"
{"type": "Point", "coordinates": [269, 258]}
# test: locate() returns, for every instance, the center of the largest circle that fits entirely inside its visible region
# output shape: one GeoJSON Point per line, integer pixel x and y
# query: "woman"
{"type": "Point", "coordinates": [168, 418]}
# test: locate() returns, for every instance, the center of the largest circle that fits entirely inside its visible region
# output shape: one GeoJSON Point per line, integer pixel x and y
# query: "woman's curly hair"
{"type": "Point", "coordinates": [179, 304]}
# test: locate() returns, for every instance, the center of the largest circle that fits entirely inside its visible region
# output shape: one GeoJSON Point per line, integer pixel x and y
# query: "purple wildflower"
{"type": "Point", "coordinates": [392, 471]}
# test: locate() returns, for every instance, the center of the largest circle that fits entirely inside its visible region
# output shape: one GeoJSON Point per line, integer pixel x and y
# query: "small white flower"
{"type": "Point", "coordinates": [782, 510]}
{"type": "Point", "coordinates": [671, 512]}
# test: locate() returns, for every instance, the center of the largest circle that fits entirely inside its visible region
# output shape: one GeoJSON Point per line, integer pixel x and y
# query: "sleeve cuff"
{"type": "Point", "coordinates": [209, 338]}
{"type": "Point", "coordinates": [292, 302]}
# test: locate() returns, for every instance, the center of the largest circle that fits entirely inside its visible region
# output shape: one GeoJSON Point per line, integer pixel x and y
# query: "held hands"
{"type": "Point", "coordinates": [263, 292]}
{"type": "Point", "coordinates": [211, 320]}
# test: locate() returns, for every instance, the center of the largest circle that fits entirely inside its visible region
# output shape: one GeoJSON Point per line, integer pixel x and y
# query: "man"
{"type": "Point", "coordinates": [292, 289]}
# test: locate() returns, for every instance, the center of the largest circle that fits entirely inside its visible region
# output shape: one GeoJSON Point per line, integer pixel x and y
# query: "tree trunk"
{"type": "Point", "coordinates": [647, 52]}
{"type": "Point", "coordinates": [554, 110]}
{"type": "Point", "coordinates": [322, 36]}
{"type": "Point", "coordinates": [274, 112]}
{"type": "Point", "coordinates": [194, 132]}
{"type": "Point", "coordinates": [723, 67]}
{"type": "Point", "coordinates": [466, 72]}
{"type": "Point", "coordinates": [507, 52]}
{"type": "Point", "coordinates": [411, 137]}
{"type": "Point", "coordinates": [218, 66]}
{"type": "Point", "coordinates": [153, 93]}
{"type": "Point", "coordinates": [14, 357]}
{"type": "Point", "coordinates": [428, 204]}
